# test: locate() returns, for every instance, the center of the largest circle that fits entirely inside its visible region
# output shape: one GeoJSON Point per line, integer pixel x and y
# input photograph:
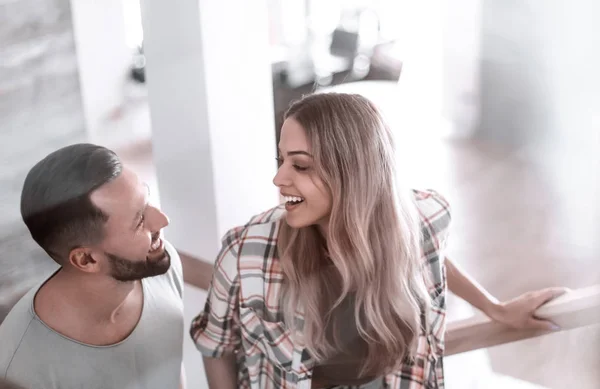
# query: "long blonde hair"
{"type": "Point", "coordinates": [373, 247]}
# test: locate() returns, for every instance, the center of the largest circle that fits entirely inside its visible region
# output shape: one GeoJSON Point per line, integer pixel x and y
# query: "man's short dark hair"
{"type": "Point", "coordinates": [55, 201]}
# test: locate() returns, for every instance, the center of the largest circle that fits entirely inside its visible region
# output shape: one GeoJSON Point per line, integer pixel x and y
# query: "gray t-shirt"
{"type": "Point", "coordinates": [37, 357]}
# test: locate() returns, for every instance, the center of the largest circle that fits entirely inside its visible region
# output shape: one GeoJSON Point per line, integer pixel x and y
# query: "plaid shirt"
{"type": "Point", "coordinates": [243, 313]}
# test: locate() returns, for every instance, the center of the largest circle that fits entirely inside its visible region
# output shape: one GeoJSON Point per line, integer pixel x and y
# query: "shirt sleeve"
{"type": "Point", "coordinates": [216, 329]}
{"type": "Point", "coordinates": [435, 215]}
{"type": "Point", "coordinates": [435, 220]}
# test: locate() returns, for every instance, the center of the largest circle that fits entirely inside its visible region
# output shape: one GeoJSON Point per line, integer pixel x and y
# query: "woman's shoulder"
{"type": "Point", "coordinates": [252, 250]}
{"type": "Point", "coordinates": [261, 228]}
{"type": "Point", "coordinates": [434, 211]}
{"type": "Point", "coordinates": [431, 204]}
{"type": "Point", "coordinates": [428, 199]}
{"type": "Point", "coordinates": [266, 218]}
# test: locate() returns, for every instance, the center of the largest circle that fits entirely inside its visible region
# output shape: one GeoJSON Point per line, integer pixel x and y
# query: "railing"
{"type": "Point", "coordinates": [574, 309]}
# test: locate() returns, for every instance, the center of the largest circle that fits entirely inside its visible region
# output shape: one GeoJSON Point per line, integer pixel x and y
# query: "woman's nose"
{"type": "Point", "coordinates": [282, 178]}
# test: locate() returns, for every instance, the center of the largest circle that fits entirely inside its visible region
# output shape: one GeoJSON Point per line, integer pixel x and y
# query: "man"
{"type": "Point", "coordinates": [112, 315]}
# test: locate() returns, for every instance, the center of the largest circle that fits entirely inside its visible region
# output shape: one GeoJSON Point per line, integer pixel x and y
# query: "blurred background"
{"type": "Point", "coordinates": [496, 104]}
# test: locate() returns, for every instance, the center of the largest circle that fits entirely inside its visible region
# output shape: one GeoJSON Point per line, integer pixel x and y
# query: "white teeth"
{"type": "Point", "coordinates": [293, 199]}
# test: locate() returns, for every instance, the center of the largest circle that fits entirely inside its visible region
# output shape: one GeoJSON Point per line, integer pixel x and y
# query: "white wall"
{"type": "Point", "coordinates": [103, 57]}
{"type": "Point", "coordinates": [539, 78]}
{"type": "Point", "coordinates": [461, 36]}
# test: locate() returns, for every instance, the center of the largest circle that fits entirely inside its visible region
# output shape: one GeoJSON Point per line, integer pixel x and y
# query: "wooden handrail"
{"type": "Point", "coordinates": [196, 272]}
{"type": "Point", "coordinates": [576, 308]}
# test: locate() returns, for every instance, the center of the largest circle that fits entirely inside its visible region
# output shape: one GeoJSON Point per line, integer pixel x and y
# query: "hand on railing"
{"type": "Point", "coordinates": [573, 309]}
{"type": "Point", "coordinates": [519, 313]}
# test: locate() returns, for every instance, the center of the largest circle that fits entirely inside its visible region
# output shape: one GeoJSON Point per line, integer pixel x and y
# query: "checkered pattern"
{"type": "Point", "coordinates": [243, 313]}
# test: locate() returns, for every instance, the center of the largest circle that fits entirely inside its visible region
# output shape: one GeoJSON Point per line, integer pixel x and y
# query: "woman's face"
{"type": "Point", "coordinates": [307, 200]}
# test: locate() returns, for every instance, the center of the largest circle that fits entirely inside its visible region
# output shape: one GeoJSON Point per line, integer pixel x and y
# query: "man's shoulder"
{"type": "Point", "coordinates": [15, 328]}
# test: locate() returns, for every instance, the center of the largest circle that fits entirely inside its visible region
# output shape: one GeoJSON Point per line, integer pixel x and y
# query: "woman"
{"type": "Point", "coordinates": [343, 285]}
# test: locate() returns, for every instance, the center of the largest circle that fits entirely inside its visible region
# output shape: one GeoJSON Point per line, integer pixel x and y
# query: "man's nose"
{"type": "Point", "coordinates": [158, 219]}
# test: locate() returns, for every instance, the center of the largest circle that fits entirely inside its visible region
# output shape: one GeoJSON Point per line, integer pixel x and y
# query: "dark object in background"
{"type": "Point", "coordinates": [344, 43]}
{"type": "Point", "coordinates": [138, 74]}
{"type": "Point", "coordinates": [138, 66]}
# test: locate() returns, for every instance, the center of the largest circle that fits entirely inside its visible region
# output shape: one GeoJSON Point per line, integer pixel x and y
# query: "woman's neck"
{"type": "Point", "coordinates": [323, 228]}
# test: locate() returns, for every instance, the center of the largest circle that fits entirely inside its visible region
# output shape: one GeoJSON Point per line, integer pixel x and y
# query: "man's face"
{"type": "Point", "coordinates": [132, 248]}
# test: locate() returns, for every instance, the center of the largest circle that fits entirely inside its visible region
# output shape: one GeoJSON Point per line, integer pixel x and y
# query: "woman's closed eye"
{"type": "Point", "coordinates": [299, 168]}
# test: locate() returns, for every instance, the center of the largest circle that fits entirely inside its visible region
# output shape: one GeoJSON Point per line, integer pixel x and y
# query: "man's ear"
{"type": "Point", "coordinates": [82, 258]}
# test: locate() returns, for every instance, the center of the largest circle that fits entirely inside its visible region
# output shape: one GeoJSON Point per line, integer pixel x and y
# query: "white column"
{"type": "Point", "coordinates": [211, 109]}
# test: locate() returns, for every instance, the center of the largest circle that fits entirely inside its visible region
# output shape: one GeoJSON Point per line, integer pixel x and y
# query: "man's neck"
{"type": "Point", "coordinates": [99, 298]}
{"type": "Point", "coordinates": [90, 309]}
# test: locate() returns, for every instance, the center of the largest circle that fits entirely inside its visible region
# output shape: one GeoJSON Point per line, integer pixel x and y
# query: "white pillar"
{"type": "Point", "coordinates": [211, 109]}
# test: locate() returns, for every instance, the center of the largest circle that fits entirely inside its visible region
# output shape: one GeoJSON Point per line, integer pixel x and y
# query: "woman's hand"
{"type": "Point", "coordinates": [519, 312]}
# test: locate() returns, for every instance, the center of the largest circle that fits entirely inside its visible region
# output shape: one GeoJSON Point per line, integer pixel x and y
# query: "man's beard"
{"type": "Point", "coordinates": [126, 270]}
